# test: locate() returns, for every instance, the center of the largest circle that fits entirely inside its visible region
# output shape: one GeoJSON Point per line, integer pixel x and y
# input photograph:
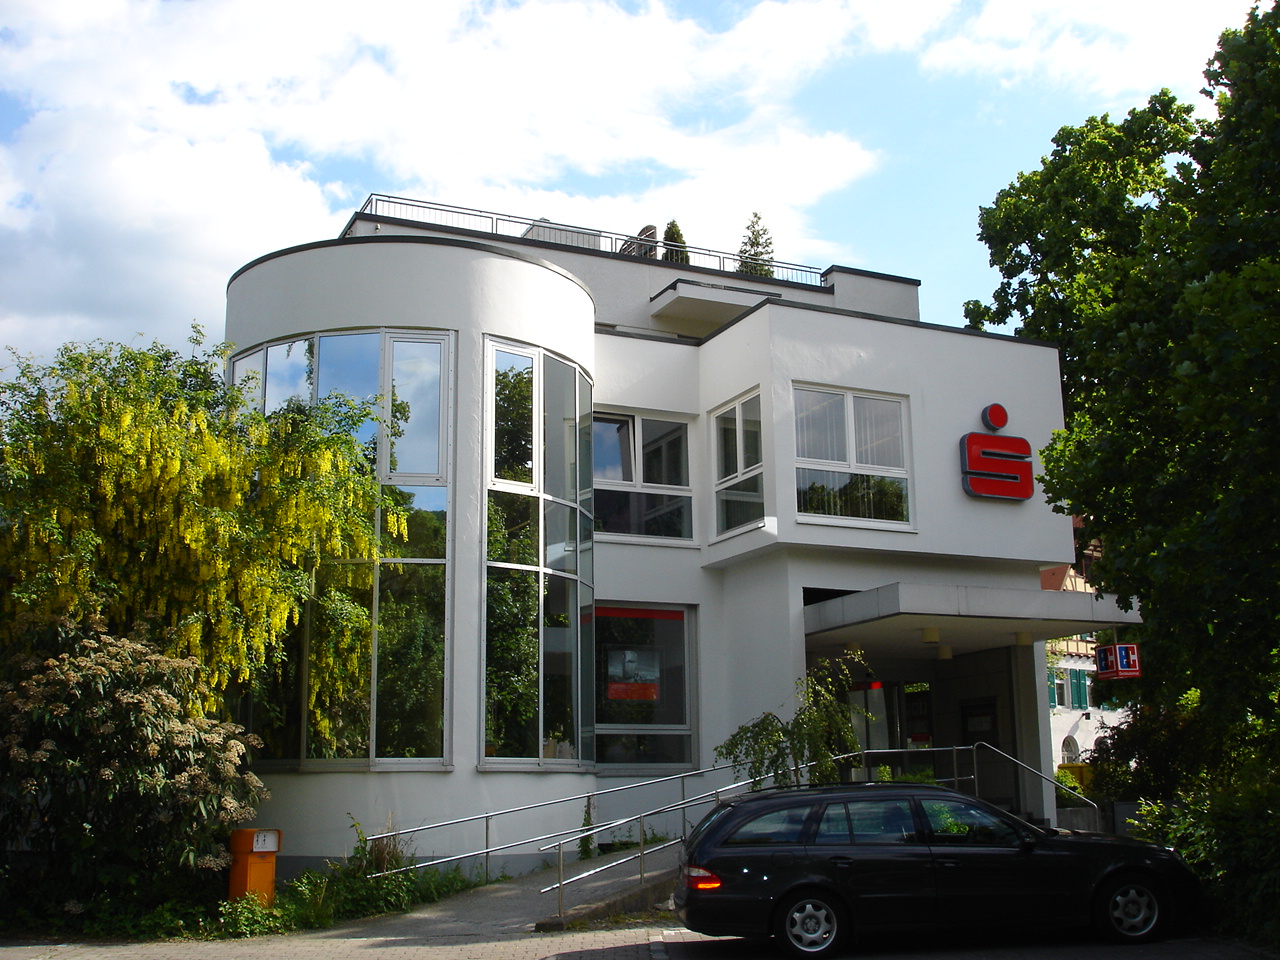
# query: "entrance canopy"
{"type": "Point", "coordinates": [929, 620]}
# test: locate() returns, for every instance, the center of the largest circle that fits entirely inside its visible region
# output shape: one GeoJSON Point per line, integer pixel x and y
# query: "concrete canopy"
{"type": "Point", "coordinates": [922, 620]}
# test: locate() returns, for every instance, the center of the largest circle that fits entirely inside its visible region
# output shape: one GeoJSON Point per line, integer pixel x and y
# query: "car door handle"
{"type": "Point", "coordinates": [842, 861]}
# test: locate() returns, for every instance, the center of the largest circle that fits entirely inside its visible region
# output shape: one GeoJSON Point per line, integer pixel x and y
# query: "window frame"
{"type": "Point", "coordinates": [742, 471]}
{"type": "Point", "coordinates": [605, 609]}
{"type": "Point", "coordinates": [637, 485]}
{"type": "Point", "coordinates": [851, 466]}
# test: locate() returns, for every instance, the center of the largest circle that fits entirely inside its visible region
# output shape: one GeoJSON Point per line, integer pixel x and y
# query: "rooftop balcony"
{"type": "Point", "coordinates": [644, 245]}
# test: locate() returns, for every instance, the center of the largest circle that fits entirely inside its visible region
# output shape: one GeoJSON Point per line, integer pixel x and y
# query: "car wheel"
{"type": "Point", "coordinates": [811, 925]}
{"type": "Point", "coordinates": [1129, 909]}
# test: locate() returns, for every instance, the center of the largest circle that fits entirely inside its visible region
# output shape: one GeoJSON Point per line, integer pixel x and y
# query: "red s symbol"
{"type": "Point", "coordinates": [993, 466]}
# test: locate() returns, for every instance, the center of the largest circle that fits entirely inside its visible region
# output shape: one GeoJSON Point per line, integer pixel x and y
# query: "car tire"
{"type": "Point", "coordinates": [811, 924]}
{"type": "Point", "coordinates": [1129, 909]}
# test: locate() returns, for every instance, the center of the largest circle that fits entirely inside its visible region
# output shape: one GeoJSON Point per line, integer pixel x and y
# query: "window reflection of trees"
{"type": "Point", "coordinates": [410, 694]}
{"type": "Point", "coordinates": [511, 663]}
{"type": "Point", "coordinates": [834, 494]}
{"type": "Point", "coordinates": [513, 418]}
{"type": "Point", "coordinates": [340, 648]}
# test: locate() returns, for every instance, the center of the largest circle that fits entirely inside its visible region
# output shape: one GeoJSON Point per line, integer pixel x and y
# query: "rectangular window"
{"type": "Point", "coordinates": [642, 697]}
{"type": "Point", "coordinates": [739, 465]}
{"type": "Point", "coordinates": [850, 455]}
{"type": "Point", "coordinates": [641, 468]}
{"type": "Point", "coordinates": [415, 416]}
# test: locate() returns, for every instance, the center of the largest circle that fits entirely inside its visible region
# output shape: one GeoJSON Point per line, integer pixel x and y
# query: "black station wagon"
{"type": "Point", "coordinates": [811, 866]}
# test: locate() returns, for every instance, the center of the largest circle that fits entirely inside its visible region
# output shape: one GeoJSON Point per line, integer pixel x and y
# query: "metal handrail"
{"type": "Point", "coordinates": [642, 248]}
{"type": "Point", "coordinates": [489, 817]}
{"type": "Point", "coordinates": [573, 835]}
{"type": "Point", "coordinates": [1024, 766]}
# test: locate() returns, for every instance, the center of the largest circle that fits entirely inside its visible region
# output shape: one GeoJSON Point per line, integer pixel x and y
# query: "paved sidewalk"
{"type": "Point", "coordinates": [499, 921]}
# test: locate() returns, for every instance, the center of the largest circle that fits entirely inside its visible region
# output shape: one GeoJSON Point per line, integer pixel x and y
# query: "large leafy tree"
{"type": "Point", "coordinates": [137, 487]}
{"type": "Point", "coordinates": [1149, 250]}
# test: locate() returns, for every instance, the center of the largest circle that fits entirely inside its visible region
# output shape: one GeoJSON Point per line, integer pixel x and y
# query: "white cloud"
{"type": "Point", "coordinates": [1115, 49]}
{"type": "Point", "coordinates": [169, 143]}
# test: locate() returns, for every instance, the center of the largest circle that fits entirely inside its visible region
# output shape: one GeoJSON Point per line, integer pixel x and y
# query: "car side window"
{"type": "Point", "coordinates": [957, 823]}
{"type": "Point", "coordinates": [867, 821]}
{"type": "Point", "coordinates": [833, 828]}
{"type": "Point", "coordinates": [784, 825]}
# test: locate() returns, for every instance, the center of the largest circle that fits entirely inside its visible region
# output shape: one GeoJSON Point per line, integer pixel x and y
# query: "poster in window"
{"type": "Point", "coordinates": [632, 672]}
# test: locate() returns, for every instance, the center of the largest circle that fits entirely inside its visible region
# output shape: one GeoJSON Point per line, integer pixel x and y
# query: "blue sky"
{"type": "Point", "coordinates": [148, 148]}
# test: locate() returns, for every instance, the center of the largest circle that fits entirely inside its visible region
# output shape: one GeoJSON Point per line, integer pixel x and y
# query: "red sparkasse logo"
{"type": "Point", "coordinates": [995, 466]}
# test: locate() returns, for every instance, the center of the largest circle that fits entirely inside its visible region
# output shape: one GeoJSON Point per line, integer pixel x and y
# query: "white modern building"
{"type": "Point", "coordinates": [643, 493]}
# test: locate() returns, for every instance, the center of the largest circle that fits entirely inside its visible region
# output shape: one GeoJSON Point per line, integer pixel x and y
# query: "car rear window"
{"type": "Point", "coordinates": [784, 825]}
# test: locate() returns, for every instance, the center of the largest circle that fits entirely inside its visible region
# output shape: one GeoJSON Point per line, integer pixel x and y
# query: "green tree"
{"type": "Point", "coordinates": [1065, 236]}
{"type": "Point", "coordinates": [755, 255]}
{"type": "Point", "coordinates": [1162, 288]}
{"type": "Point", "coordinates": [804, 748]}
{"type": "Point", "coordinates": [673, 248]}
{"type": "Point", "coordinates": [113, 785]}
{"type": "Point", "coordinates": [137, 487]}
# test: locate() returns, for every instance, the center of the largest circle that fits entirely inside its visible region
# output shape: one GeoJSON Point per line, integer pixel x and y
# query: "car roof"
{"type": "Point", "coordinates": [828, 789]}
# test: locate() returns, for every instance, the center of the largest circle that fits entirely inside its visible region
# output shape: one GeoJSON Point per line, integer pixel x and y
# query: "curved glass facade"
{"type": "Point", "coordinates": [381, 624]}
{"type": "Point", "coordinates": [538, 596]}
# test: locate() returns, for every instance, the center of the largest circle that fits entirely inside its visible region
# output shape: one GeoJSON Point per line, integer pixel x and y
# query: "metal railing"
{"type": "Point", "coordinates": [489, 818]}
{"type": "Point", "coordinates": [641, 246]}
{"type": "Point", "coordinates": [560, 838]}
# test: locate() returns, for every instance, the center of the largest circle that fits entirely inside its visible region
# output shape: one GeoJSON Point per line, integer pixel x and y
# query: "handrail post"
{"type": "Point", "coordinates": [488, 820]}
{"type": "Point", "coordinates": [642, 848]}
{"type": "Point", "coordinates": [560, 879]}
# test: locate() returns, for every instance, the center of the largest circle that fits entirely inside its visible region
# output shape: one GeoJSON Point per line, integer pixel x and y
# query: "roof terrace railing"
{"type": "Point", "coordinates": [643, 246]}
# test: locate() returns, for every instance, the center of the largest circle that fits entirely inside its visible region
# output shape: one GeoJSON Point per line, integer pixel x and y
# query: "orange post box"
{"type": "Point", "coordinates": [253, 864]}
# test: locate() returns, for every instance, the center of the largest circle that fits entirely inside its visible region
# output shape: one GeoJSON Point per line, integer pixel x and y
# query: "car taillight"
{"type": "Point", "coordinates": [695, 878]}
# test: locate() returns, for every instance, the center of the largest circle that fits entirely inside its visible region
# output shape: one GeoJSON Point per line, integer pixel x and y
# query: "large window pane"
{"type": "Point", "coordinates": [561, 526]}
{"type": "Point", "coordinates": [611, 449]}
{"type": "Point", "coordinates": [664, 447]}
{"type": "Point", "coordinates": [833, 493]}
{"type": "Point", "coordinates": [269, 703]}
{"type": "Point", "coordinates": [640, 667]}
{"type": "Point", "coordinates": [559, 668]}
{"type": "Point", "coordinates": [586, 672]}
{"type": "Point", "coordinates": [727, 444]}
{"type": "Point", "coordinates": [646, 514]}
{"type": "Point", "coordinates": [752, 444]}
{"type": "Point", "coordinates": [339, 664]}
{"type": "Point", "coordinates": [511, 663]}
{"type": "Point", "coordinates": [288, 374]}
{"type": "Point", "coordinates": [877, 430]}
{"type": "Point", "coordinates": [415, 407]}
{"type": "Point", "coordinates": [410, 700]}
{"type": "Point", "coordinates": [513, 417]}
{"type": "Point", "coordinates": [559, 430]}
{"type": "Point", "coordinates": [418, 525]}
{"type": "Point", "coordinates": [585, 462]}
{"type": "Point", "coordinates": [247, 372]}
{"type": "Point", "coordinates": [513, 528]}
{"type": "Point", "coordinates": [635, 747]}
{"type": "Point", "coordinates": [740, 503]}
{"type": "Point", "coordinates": [820, 426]}
{"type": "Point", "coordinates": [349, 365]}
{"type": "Point", "coordinates": [586, 551]}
